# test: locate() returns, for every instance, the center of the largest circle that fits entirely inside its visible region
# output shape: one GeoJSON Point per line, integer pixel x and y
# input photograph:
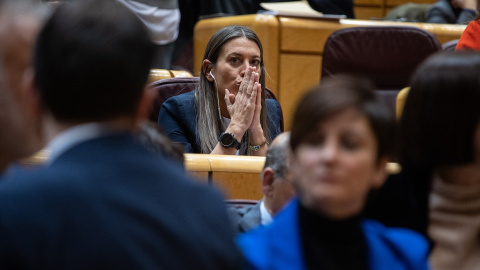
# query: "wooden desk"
{"type": "Point", "coordinates": [160, 74]}
{"type": "Point", "coordinates": [293, 48]}
{"type": "Point", "coordinates": [237, 176]}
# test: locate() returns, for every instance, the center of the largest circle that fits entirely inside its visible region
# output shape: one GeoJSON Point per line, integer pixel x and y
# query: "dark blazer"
{"type": "Point", "coordinates": [108, 203]}
{"type": "Point", "coordinates": [278, 245]}
{"type": "Point", "coordinates": [245, 218]}
{"type": "Point", "coordinates": [403, 201]}
{"type": "Point", "coordinates": [178, 119]}
{"type": "Point", "coordinates": [339, 7]}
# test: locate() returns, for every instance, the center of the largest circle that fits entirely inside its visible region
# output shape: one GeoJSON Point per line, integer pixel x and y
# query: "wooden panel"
{"type": "Point", "coordinates": [393, 3]}
{"type": "Point", "coordinates": [239, 185]}
{"type": "Point", "coordinates": [310, 35]}
{"type": "Point", "coordinates": [228, 163]}
{"type": "Point", "coordinates": [238, 177]}
{"type": "Point", "coordinates": [180, 73]}
{"type": "Point", "coordinates": [378, 3]}
{"type": "Point", "coordinates": [305, 35]}
{"type": "Point", "coordinates": [160, 74]}
{"type": "Point", "coordinates": [197, 163]}
{"type": "Point", "coordinates": [199, 176]}
{"type": "Point", "coordinates": [447, 32]}
{"type": "Point", "coordinates": [300, 72]}
{"type": "Point", "coordinates": [366, 13]}
{"type": "Point", "coordinates": [265, 26]}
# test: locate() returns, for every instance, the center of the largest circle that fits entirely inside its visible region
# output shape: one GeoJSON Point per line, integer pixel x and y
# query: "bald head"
{"type": "Point", "coordinates": [276, 179]}
{"type": "Point", "coordinates": [277, 154]}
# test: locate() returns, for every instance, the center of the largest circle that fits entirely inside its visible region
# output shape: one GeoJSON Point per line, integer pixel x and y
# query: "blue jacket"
{"type": "Point", "coordinates": [278, 245]}
{"type": "Point", "coordinates": [178, 119]}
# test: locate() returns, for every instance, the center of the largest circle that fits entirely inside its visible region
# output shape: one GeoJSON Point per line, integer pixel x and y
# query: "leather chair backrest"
{"type": "Point", "coordinates": [168, 88]}
{"type": "Point", "coordinates": [387, 55]}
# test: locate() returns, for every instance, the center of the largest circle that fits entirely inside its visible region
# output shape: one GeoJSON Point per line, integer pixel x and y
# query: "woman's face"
{"type": "Point", "coordinates": [336, 166]}
{"type": "Point", "coordinates": [235, 57]}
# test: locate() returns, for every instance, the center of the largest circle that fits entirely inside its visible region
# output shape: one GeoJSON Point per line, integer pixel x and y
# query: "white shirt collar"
{"type": "Point", "coordinates": [265, 216]}
{"type": "Point", "coordinates": [75, 135]}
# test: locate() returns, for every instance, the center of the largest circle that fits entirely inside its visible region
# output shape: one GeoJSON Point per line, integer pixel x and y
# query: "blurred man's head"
{"type": "Point", "coordinates": [92, 61]}
{"type": "Point", "coordinates": [20, 22]}
{"type": "Point", "coordinates": [276, 179]}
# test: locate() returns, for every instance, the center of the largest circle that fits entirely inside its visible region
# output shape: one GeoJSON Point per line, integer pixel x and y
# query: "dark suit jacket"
{"type": "Point", "coordinates": [403, 201]}
{"type": "Point", "coordinates": [245, 218]}
{"type": "Point", "coordinates": [339, 7]}
{"type": "Point", "coordinates": [108, 203]}
{"type": "Point", "coordinates": [178, 119]}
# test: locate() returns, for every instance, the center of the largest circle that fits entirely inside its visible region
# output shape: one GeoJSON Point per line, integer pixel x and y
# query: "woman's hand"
{"type": "Point", "coordinates": [242, 107]}
{"type": "Point", "coordinates": [255, 130]}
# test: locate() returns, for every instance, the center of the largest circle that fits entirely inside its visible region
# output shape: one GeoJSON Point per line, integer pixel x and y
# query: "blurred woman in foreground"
{"type": "Point", "coordinates": [341, 141]}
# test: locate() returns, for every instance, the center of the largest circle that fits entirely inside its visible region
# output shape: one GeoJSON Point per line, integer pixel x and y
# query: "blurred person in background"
{"type": "Point", "coordinates": [276, 186]}
{"type": "Point", "coordinates": [20, 22]}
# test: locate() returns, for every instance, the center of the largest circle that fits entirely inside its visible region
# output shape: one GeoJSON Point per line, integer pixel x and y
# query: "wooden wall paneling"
{"type": "Point", "coordinates": [199, 176]}
{"type": "Point", "coordinates": [238, 185]}
{"type": "Point", "coordinates": [238, 176]}
{"type": "Point", "coordinates": [366, 9]}
{"type": "Point", "coordinates": [299, 73]}
{"type": "Point", "coordinates": [447, 32]}
{"type": "Point", "coordinates": [197, 166]}
{"type": "Point", "coordinates": [374, 3]}
{"type": "Point", "coordinates": [394, 3]}
{"type": "Point", "coordinates": [305, 35]}
{"type": "Point", "coordinates": [366, 13]}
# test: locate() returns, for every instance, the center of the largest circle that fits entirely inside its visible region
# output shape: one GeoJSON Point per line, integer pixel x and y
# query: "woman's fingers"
{"type": "Point", "coordinates": [227, 98]}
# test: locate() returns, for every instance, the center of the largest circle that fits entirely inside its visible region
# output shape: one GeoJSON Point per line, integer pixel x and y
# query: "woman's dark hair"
{"type": "Point", "coordinates": [335, 95]}
{"type": "Point", "coordinates": [208, 118]}
{"type": "Point", "coordinates": [442, 112]}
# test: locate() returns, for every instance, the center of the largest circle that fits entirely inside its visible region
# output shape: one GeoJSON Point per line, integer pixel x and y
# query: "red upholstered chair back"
{"type": "Point", "coordinates": [168, 88]}
{"type": "Point", "coordinates": [387, 55]}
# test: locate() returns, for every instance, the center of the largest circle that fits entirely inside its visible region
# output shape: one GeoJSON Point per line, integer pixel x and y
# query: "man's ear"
{"type": "Point", "coordinates": [268, 178]}
{"type": "Point", "coordinates": [146, 103]}
{"type": "Point", "coordinates": [207, 67]}
{"type": "Point", "coordinates": [381, 173]}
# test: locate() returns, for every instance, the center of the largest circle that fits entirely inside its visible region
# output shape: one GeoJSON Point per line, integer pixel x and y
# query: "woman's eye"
{"type": "Point", "coordinates": [350, 144]}
{"type": "Point", "coordinates": [234, 60]}
{"type": "Point", "coordinates": [255, 63]}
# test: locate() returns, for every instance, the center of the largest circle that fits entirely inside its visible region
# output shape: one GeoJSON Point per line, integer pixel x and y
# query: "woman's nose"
{"type": "Point", "coordinates": [244, 68]}
{"type": "Point", "coordinates": [330, 152]}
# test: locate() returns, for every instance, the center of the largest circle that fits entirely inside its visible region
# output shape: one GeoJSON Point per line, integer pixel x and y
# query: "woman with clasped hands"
{"type": "Point", "coordinates": [228, 112]}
